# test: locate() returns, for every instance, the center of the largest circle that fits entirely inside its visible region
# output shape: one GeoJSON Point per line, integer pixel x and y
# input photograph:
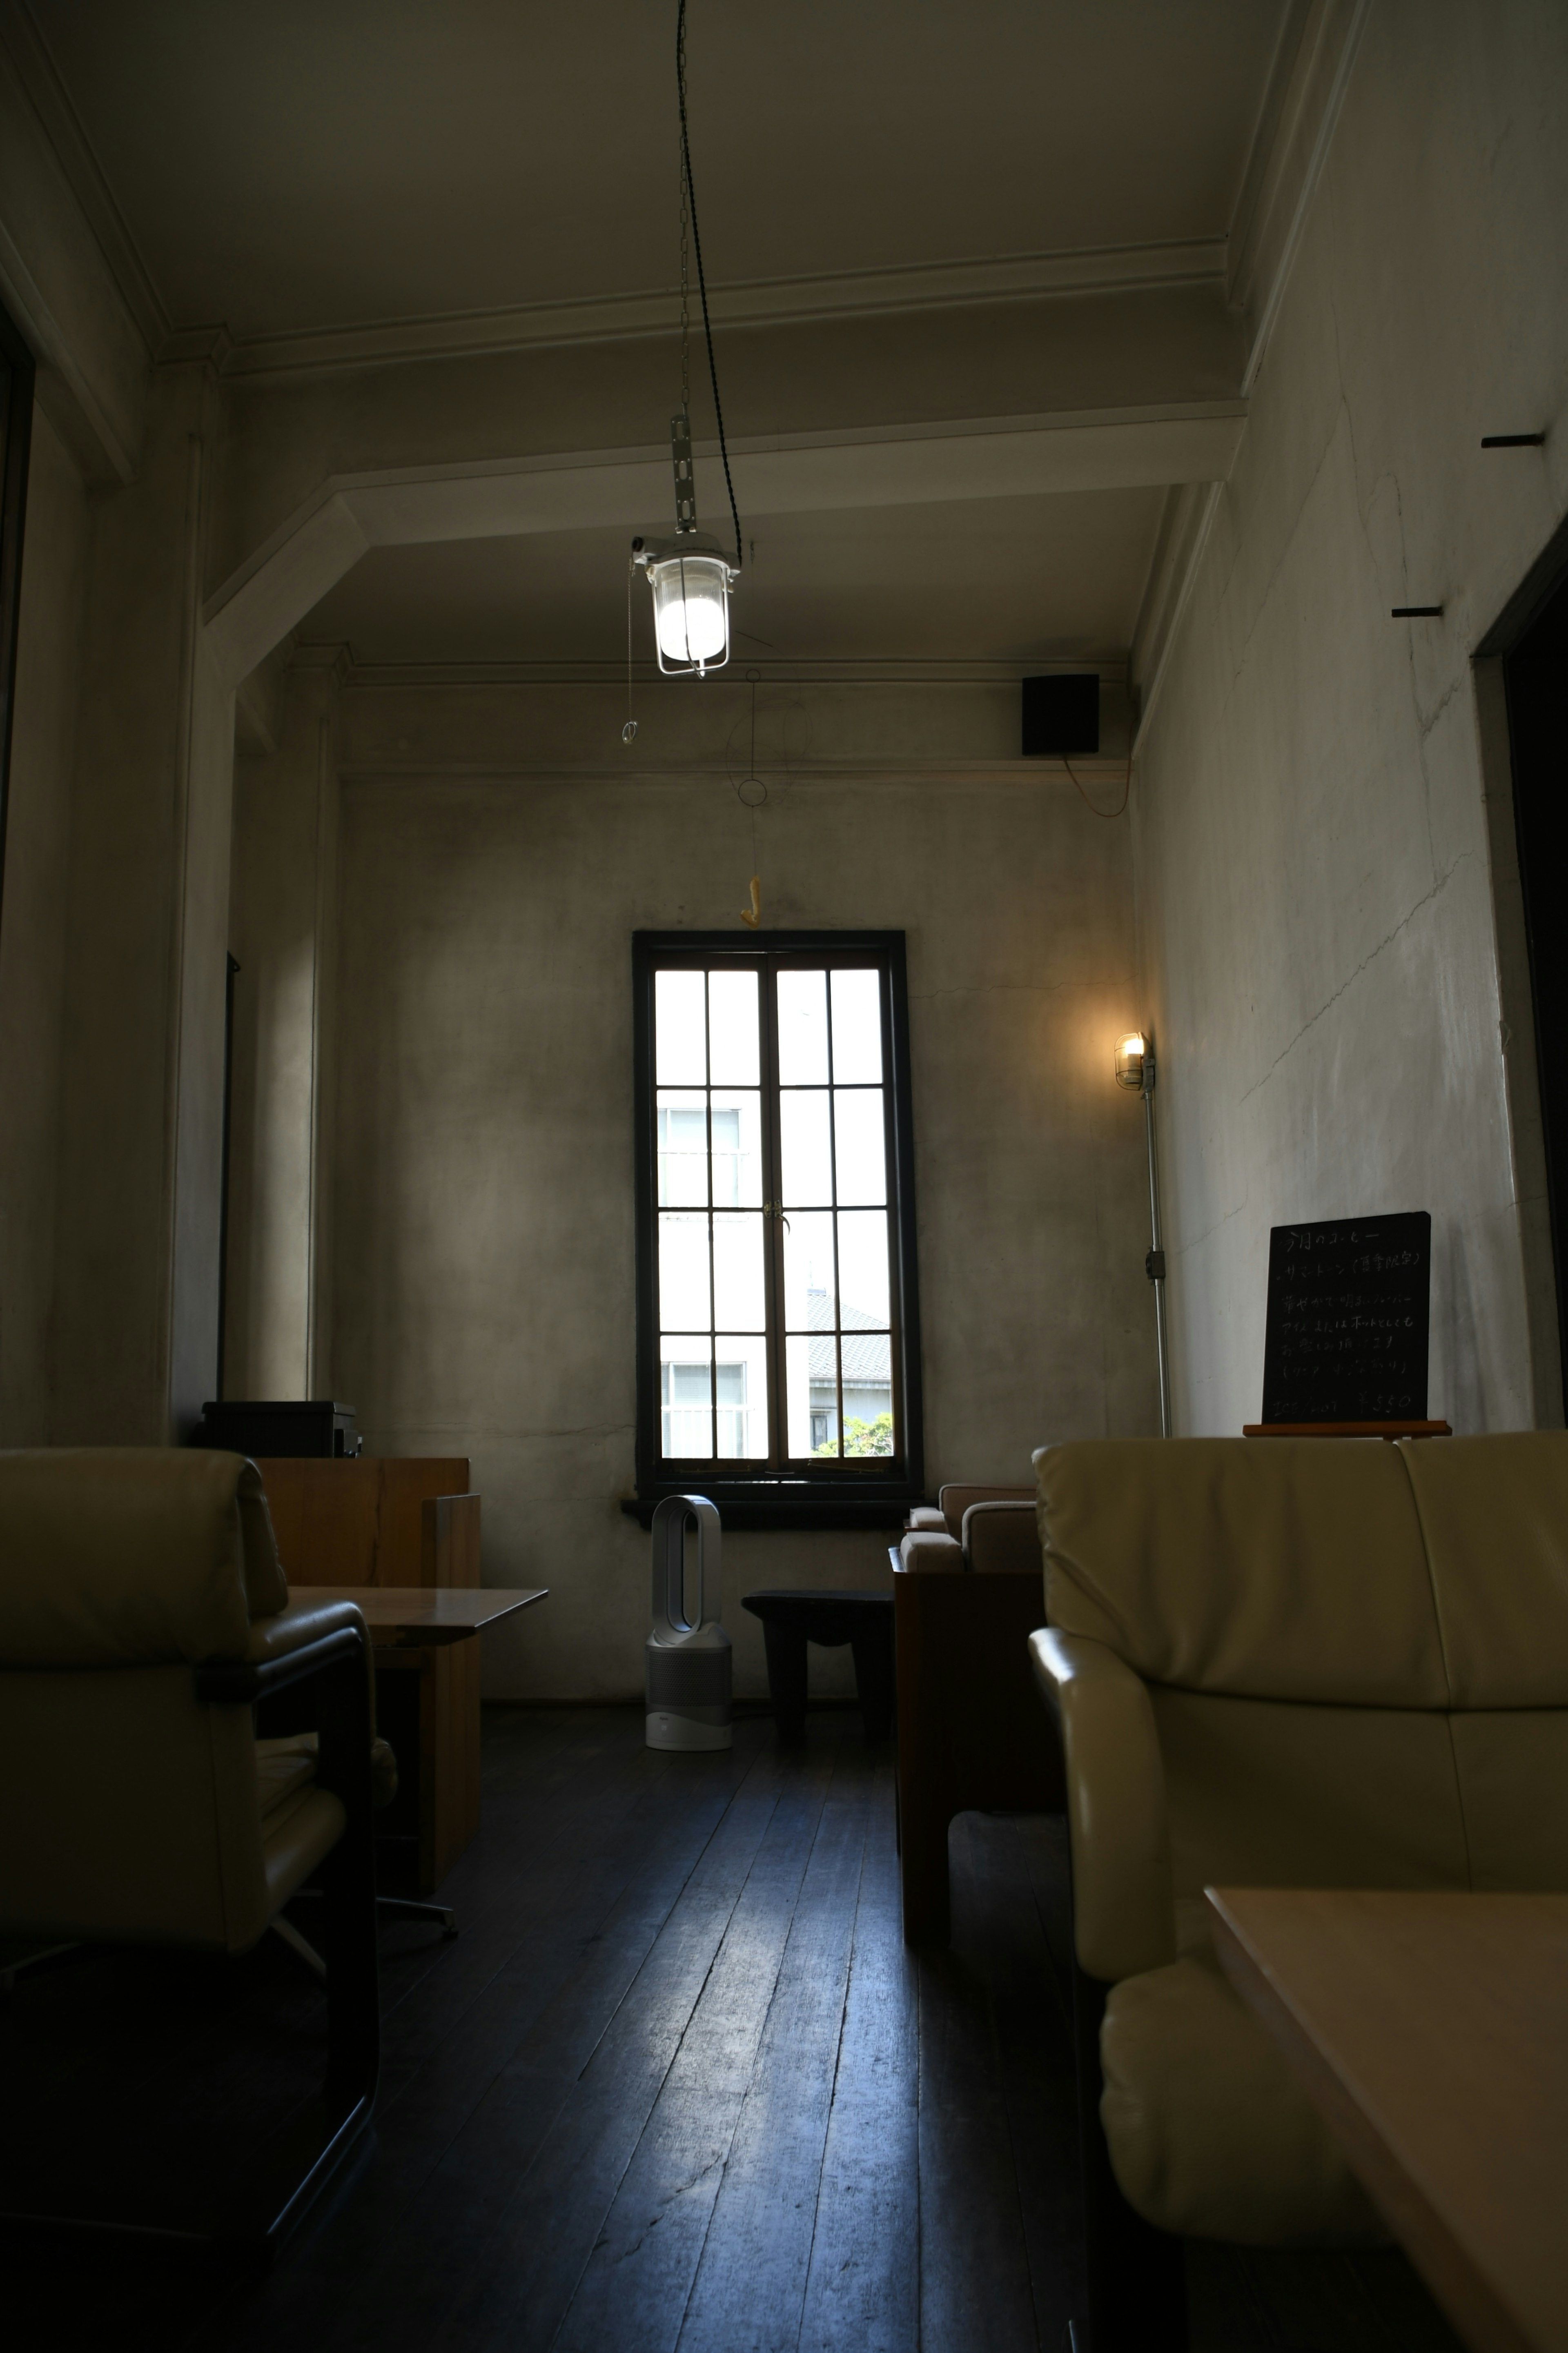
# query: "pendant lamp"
{"type": "Point", "coordinates": [690, 575]}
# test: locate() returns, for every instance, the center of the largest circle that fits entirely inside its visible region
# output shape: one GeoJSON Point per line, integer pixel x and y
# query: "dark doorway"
{"type": "Point", "coordinates": [1535, 670]}
{"type": "Point", "coordinates": [15, 435]}
{"type": "Point", "coordinates": [223, 1179]}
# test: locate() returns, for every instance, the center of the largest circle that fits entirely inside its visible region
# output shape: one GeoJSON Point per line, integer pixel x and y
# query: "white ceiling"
{"type": "Point", "coordinates": [287, 167]}
{"type": "Point", "coordinates": [284, 164]}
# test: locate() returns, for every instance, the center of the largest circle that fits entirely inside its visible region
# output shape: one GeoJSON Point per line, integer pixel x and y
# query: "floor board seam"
{"type": "Point", "coordinates": [761, 2038]}
{"type": "Point", "coordinates": [834, 2094]}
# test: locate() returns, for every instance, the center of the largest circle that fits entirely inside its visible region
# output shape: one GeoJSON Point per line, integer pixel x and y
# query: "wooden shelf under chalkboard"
{"type": "Point", "coordinates": [1389, 1429]}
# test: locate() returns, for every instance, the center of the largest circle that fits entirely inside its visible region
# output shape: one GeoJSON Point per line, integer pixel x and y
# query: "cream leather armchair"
{"type": "Point", "coordinates": [1277, 1663]}
{"type": "Point", "coordinates": [143, 1612]}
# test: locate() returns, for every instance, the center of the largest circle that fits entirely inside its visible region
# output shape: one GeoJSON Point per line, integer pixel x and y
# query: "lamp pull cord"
{"type": "Point", "coordinates": [629, 732]}
{"type": "Point", "coordinates": [697, 250]}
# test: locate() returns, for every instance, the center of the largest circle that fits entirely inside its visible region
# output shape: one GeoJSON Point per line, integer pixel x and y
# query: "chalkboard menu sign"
{"type": "Point", "coordinates": [1346, 1338]}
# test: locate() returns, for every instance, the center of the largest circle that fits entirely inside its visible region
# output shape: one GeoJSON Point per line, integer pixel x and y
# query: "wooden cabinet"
{"type": "Point", "coordinates": [399, 1522]}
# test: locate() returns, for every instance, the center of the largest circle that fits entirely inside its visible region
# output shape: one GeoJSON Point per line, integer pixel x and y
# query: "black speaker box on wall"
{"type": "Point", "coordinates": [1062, 715]}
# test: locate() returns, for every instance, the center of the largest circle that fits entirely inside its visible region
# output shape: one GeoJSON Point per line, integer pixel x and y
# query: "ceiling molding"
{"type": "Point", "coordinates": [1263, 152]}
{"type": "Point", "coordinates": [1189, 517]}
{"type": "Point", "coordinates": [35, 70]}
{"type": "Point", "coordinates": [1097, 766]}
{"type": "Point", "coordinates": [93, 366]}
{"type": "Point", "coordinates": [1302, 104]}
{"type": "Point", "coordinates": [861, 293]}
{"type": "Point", "coordinates": [781, 474]}
{"type": "Point", "coordinates": [1300, 111]}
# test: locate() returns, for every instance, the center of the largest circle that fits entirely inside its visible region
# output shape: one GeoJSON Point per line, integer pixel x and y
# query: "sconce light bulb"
{"type": "Point", "coordinates": [1131, 1055]}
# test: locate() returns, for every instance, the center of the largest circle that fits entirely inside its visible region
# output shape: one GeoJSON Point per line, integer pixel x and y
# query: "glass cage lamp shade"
{"type": "Point", "coordinates": [691, 609]}
{"type": "Point", "coordinates": [1134, 1062]}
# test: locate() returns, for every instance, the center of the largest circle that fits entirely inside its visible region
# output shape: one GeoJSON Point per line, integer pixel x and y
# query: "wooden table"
{"type": "Point", "coordinates": [791, 1618]}
{"type": "Point", "coordinates": [413, 1629]}
{"type": "Point", "coordinates": [426, 1614]}
{"type": "Point", "coordinates": [1431, 2032]}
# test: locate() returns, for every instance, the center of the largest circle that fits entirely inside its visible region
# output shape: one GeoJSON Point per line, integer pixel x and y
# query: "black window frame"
{"type": "Point", "coordinates": [851, 1493]}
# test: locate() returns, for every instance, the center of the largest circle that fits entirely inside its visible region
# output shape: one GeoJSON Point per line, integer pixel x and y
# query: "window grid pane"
{"type": "Point", "coordinates": [833, 1152]}
{"type": "Point", "coordinates": [713, 1382]}
{"type": "Point", "coordinates": [823, 1244]}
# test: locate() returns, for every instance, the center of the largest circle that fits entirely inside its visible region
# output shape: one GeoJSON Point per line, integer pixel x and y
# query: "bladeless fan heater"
{"type": "Point", "coordinates": [689, 1666]}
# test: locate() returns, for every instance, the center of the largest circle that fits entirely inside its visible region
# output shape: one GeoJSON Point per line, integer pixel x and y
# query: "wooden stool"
{"type": "Point", "coordinates": [790, 1619]}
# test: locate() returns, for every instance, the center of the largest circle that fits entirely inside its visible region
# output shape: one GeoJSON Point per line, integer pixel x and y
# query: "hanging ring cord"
{"type": "Point", "coordinates": [1127, 788]}
{"type": "Point", "coordinates": [691, 196]}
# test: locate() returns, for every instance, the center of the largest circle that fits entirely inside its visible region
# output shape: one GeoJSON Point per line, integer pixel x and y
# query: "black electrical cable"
{"type": "Point", "coordinates": [698, 249]}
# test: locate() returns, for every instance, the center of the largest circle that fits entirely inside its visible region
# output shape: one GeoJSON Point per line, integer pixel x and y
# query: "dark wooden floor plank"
{"type": "Point", "coordinates": [528, 2183]}
{"type": "Point", "coordinates": [1000, 1864]}
{"type": "Point", "coordinates": [580, 1962]}
{"type": "Point", "coordinates": [639, 2276]}
{"type": "Point", "coordinates": [750, 2285]}
{"type": "Point", "coordinates": [678, 2073]}
{"type": "Point", "coordinates": [663, 1933]}
{"type": "Point", "coordinates": [975, 2280]}
{"type": "Point", "coordinates": [862, 2293]}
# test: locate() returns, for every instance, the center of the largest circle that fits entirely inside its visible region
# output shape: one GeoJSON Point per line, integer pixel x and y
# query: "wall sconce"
{"type": "Point", "coordinates": [1131, 1052]}
{"type": "Point", "coordinates": [1135, 1071]}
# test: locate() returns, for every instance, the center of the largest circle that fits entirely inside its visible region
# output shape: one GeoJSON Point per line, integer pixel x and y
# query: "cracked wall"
{"type": "Point", "coordinates": [1318, 945]}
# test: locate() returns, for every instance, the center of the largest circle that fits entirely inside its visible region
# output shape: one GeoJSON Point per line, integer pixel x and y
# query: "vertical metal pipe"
{"type": "Point", "coordinates": [1157, 1251]}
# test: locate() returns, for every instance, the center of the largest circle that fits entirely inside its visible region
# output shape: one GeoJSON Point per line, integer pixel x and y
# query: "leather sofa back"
{"type": "Point", "coordinates": [1356, 1655]}
{"type": "Point", "coordinates": [956, 1499]}
{"type": "Point", "coordinates": [142, 1557]}
{"type": "Point", "coordinates": [1265, 1568]}
{"type": "Point", "coordinates": [1494, 1520]}
{"type": "Point", "coordinates": [1001, 1540]}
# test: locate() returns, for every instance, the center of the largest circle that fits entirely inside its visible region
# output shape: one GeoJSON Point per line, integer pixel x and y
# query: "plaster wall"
{"type": "Point", "coordinates": [33, 929]}
{"type": "Point", "coordinates": [483, 1227]}
{"type": "Point", "coordinates": [140, 1129]}
{"type": "Point", "coordinates": [1319, 951]}
{"type": "Point", "coordinates": [285, 806]}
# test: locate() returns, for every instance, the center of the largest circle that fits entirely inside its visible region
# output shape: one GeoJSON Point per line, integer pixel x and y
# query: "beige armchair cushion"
{"type": "Point", "coordinates": [157, 1555]}
{"type": "Point", "coordinates": [1308, 1663]}
{"type": "Point", "coordinates": [1002, 1538]}
{"type": "Point", "coordinates": [955, 1499]}
{"type": "Point", "coordinates": [287, 1764]}
{"type": "Point", "coordinates": [1210, 2133]}
{"type": "Point", "coordinates": [923, 1549]}
{"type": "Point", "coordinates": [986, 1529]}
{"type": "Point", "coordinates": [129, 1810]}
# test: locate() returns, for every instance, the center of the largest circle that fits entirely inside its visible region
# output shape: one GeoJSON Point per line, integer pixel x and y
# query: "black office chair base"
{"type": "Point", "coordinates": [39, 1960]}
{"type": "Point", "coordinates": [259, 2216]}
{"type": "Point", "coordinates": [407, 1907]}
{"type": "Point", "coordinates": [401, 1907]}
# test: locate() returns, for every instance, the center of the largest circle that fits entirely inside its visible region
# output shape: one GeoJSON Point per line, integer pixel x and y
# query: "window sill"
{"type": "Point", "coordinates": [800, 1503]}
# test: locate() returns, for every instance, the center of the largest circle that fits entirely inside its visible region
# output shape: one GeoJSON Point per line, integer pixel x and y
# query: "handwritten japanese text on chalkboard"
{"type": "Point", "coordinates": [1348, 1305]}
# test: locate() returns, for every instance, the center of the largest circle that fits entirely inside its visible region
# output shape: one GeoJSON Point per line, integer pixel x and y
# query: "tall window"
{"type": "Point", "coordinates": [779, 1337]}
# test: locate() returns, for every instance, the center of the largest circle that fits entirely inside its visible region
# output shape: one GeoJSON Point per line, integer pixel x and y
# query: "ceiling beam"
{"type": "Point", "coordinates": [796, 474]}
